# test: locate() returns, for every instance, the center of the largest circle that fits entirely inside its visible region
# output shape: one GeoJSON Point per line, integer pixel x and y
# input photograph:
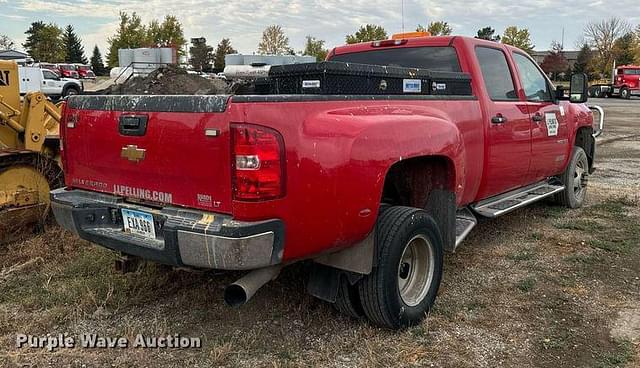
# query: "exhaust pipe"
{"type": "Point", "coordinates": [242, 290]}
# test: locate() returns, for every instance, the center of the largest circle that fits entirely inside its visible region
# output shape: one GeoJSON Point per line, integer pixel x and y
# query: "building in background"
{"type": "Point", "coordinates": [571, 56]}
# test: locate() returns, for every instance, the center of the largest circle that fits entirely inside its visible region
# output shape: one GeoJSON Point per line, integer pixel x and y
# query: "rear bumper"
{"type": "Point", "coordinates": [184, 238]}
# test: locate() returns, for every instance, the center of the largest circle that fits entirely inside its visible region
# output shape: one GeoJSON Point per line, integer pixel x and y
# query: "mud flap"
{"type": "Point", "coordinates": [441, 205]}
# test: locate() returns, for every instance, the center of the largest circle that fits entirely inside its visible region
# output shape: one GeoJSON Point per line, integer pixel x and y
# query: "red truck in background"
{"type": "Point", "coordinates": [626, 83]}
{"type": "Point", "coordinates": [84, 71]}
{"type": "Point", "coordinates": [370, 189]}
{"type": "Point", "coordinates": [68, 71]}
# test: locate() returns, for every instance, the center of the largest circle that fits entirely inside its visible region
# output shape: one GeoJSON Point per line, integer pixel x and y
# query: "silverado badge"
{"type": "Point", "coordinates": [132, 153]}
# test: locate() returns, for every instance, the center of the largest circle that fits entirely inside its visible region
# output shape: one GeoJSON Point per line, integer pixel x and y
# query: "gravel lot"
{"type": "Point", "coordinates": [541, 287]}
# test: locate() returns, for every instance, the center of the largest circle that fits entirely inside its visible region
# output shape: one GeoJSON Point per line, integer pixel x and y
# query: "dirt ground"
{"type": "Point", "coordinates": [541, 287]}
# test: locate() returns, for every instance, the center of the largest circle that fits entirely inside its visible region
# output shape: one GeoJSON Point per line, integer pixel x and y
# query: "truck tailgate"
{"type": "Point", "coordinates": [164, 149]}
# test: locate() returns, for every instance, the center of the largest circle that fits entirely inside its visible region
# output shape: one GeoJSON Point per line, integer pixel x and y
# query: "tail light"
{"type": "Point", "coordinates": [258, 163]}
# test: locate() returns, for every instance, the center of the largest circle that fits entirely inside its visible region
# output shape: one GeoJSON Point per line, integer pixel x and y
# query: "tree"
{"type": "Point", "coordinates": [366, 33]}
{"type": "Point", "coordinates": [201, 54]}
{"type": "Point", "coordinates": [169, 33]}
{"type": "Point", "coordinates": [624, 49]}
{"type": "Point", "coordinates": [6, 43]}
{"type": "Point", "coordinates": [97, 65]}
{"type": "Point", "coordinates": [274, 42]}
{"type": "Point", "coordinates": [555, 62]}
{"type": "Point", "coordinates": [602, 37]}
{"type": "Point", "coordinates": [315, 47]}
{"type": "Point", "coordinates": [637, 51]}
{"type": "Point", "coordinates": [131, 34]}
{"type": "Point", "coordinates": [438, 28]}
{"type": "Point", "coordinates": [44, 42]}
{"type": "Point", "coordinates": [519, 38]}
{"type": "Point", "coordinates": [224, 48]}
{"type": "Point", "coordinates": [487, 33]}
{"type": "Point", "coordinates": [583, 61]}
{"type": "Point", "coordinates": [74, 52]}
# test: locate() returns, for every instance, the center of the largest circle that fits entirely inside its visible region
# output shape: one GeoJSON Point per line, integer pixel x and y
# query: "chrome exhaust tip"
{"type": "Point", "coordinates": [241, 291]}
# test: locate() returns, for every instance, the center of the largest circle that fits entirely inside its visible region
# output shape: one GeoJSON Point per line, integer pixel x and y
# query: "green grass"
{"type": "Point", "coordinates": [589, 226]}
{"type": "Point", "coordinates": [618, 358]}
{"type": "Point", "coordinates": [526, 285]}
{"type": "Point", "coordinates": [84, 283]}
{"type": "Point", "coordinates": [523, 255]}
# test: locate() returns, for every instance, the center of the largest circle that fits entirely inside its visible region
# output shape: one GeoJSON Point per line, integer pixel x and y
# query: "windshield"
{"type": "Point", "coordinates": [631, 71]}
{"type": "Point", "coordinates": [438, 58]}
{"type": "Point", "coordinates": [67, 67]}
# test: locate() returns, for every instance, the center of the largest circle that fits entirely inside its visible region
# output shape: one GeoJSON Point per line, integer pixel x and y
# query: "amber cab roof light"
{"type": "Point", "coordinates": [407, 35]}
{"type": "Point", "coordinates": [399, 39]}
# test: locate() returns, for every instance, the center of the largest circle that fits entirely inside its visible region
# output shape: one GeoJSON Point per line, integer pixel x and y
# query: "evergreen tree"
{"type": "Point", "coordinates": [224, 48]}
{"type": "Point", "coordinates": [584, 61]}
{"type": "Point", "coordinates": [201, 54]}
{"type": "Point", "coordinates": [74, 52]}
{"type": "Point", "coordinates": [97, 65]}
{"type": "Point", "coordinates": [44, 42]}
{"type": "Point", "coordinates": [488, 33]}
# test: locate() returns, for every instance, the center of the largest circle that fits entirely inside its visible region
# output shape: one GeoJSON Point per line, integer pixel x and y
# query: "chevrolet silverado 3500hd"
{"type": "Point", "coordinates": [370, 188]}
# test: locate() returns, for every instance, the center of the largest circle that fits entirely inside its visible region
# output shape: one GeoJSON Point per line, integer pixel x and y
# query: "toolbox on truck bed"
{"type": "Point", "coordinates": [339, 78]}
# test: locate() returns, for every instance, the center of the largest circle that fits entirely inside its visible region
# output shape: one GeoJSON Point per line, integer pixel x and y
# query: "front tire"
{"type": "Point", "coordinates": [575, 180]}
{"type": "Point", "coordinates": [70, 91]}
{"type": "Point", "coordinates": [403, 285]}
{"type": "Point", "coordinates": [625, 93]}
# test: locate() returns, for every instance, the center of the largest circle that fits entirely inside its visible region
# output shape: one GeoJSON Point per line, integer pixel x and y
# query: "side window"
{"type": "Point", "coordinates": [496, 74]}
{"type": "Point", "coordinates": [48, 75]}
{"type": "Point", "coordinates": [533, 81]}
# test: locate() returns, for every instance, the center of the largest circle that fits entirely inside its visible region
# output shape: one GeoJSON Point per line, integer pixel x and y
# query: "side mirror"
{"type": "Point", "coordinates": [578, 88]}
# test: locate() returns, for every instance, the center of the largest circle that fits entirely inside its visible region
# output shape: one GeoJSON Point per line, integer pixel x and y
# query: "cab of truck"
{"type": "Point", "coordinates": [627, 79]}
{"type": "Point", "coordinates": [84, 71]}
{"type": "Point", "coordinates": [68, 71]}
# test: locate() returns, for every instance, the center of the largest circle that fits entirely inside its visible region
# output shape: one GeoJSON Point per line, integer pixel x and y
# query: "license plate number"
{"type": "Point", "coordinates": [138, 223]}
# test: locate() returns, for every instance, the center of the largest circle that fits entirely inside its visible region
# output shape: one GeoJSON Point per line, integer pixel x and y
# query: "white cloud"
{"type": "Point", "coordinates": [331, 20]}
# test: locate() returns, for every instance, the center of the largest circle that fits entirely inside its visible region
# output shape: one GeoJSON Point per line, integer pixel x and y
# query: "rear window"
{"type": "Point", "coordinates": [438, 58]}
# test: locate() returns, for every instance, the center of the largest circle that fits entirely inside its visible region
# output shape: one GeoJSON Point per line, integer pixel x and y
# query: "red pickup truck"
{"type": "Point", "coordinates": [368, 189]}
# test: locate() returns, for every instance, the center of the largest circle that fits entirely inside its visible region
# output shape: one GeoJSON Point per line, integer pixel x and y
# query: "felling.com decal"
{"type": "Point", "coordinates": [552, 123]}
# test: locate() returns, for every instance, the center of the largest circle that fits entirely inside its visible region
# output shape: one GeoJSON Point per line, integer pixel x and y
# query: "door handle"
{"type": "Point", "coordinates": [537, 117]}
{"type": "Point", "coordinates": [498, 119]}
{"type": "Point", "coordinates": [133, 125]}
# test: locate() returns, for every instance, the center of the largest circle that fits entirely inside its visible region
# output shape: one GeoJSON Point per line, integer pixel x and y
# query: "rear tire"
{"type": "Point", "coordinates": [403, 285]}
{"type": "Point", "coordinates": [348, 300]}
{"type": "Point", "coordinates": [625, 93]}
{"type": "Point", "coordinates": [575, 179]}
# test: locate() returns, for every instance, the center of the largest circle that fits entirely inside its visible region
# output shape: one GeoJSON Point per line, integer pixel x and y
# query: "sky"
{"type": "Point", "coordinates": [244, 20]}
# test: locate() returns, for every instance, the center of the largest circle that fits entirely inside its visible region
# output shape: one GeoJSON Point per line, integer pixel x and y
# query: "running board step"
{"type": "Point", "coordinates": [505, 203]}
{"type": "Point", "coordinates": [465, 221]}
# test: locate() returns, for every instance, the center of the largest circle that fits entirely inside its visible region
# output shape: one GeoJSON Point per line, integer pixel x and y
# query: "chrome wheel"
{"type": "Point", "coordinates": [416, 270]}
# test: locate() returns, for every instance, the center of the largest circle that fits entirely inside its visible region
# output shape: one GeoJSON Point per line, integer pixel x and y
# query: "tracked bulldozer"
{"type": "Point", "coordinates": [29, 153]}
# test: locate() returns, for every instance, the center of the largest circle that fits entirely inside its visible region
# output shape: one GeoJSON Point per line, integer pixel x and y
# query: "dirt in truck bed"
{"type": "Point", "coordinates": [541, 287]}
{"type": "Point", "coordinates": [169, 80]}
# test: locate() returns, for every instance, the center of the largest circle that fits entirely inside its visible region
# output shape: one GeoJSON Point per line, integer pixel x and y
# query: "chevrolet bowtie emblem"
{"type": "Point", "coordinates": [132, 153]}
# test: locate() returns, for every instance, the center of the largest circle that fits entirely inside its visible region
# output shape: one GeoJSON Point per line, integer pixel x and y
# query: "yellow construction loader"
{"type": "Point", "coordinates": [29, 153]}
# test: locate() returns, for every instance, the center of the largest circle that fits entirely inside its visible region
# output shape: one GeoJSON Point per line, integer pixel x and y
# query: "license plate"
{"type": "Point", "coordinates": [139, 223]}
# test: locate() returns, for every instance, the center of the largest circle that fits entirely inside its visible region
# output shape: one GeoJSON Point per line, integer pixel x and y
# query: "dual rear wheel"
{"type": "Point", "coordinates": [402, 287]}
